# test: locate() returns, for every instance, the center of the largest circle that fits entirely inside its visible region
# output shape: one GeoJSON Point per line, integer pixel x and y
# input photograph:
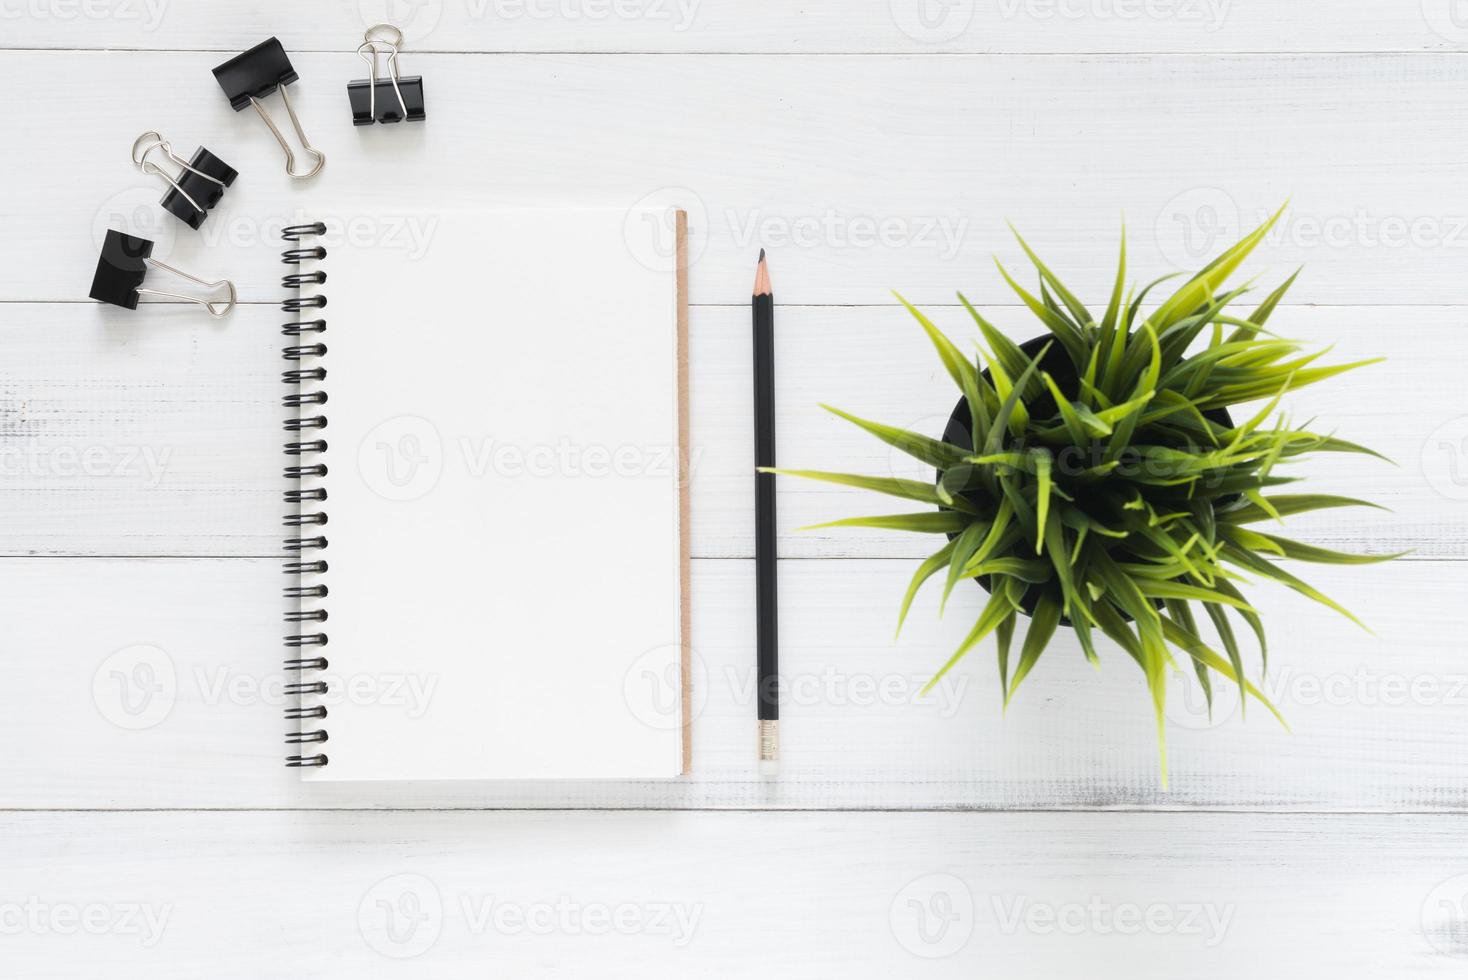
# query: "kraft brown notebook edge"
{"type": "Point", "coordinates": [685, 477]}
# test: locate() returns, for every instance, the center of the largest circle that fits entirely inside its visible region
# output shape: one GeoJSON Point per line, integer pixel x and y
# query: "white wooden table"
{"type": "Point", "coordinates": [151, 830]}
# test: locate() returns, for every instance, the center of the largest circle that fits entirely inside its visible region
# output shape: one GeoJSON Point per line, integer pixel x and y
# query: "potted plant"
{"type": "Point", "coordinates": [1093, 478]}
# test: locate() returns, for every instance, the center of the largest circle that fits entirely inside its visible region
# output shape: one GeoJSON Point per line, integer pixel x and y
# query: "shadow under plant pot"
{"type": "Point", "coordinates": [1057, 364]}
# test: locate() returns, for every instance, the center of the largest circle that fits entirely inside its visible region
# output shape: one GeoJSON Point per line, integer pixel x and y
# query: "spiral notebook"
{"type": "Point", "coordinates": [488, 493]}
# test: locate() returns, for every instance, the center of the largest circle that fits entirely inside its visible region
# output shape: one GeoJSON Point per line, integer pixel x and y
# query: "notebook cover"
{"type": "Point", "coordinates": [454, 744]}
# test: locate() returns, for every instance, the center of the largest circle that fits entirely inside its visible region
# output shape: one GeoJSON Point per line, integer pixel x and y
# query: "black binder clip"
{"type": "Point", "coordinates": [402, 98]}
{"type": "Point", "coordinates": [247, 78]}
{"type": "Point", "coordinates": [124, 262]}
{"type": "Point", "coordinates": [198, 185]}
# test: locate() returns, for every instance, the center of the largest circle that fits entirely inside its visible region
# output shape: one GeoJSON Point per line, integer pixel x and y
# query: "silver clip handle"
{"type": "Point", "coordinates": [368, 51]}
{"type": "Point", "coordinates": [290, 157]}
{"type": "Point", "coordinates": [216, 308]}
{"type": "Point", "coordinates": [155, 142]}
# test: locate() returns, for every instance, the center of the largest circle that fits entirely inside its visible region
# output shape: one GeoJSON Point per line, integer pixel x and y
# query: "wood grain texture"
{"type": "Point", "coordinates": [158, 434]}
{"type": "Point", "coordinates": [761, 26]}
{"type": "Point", "coordinates": [156, 683]}
{"type": "Point", "coordinates": [861, 895]}
{"type": "Point", "coordinates": [860, 174]}
{"type": "Point", "coordinates": [889, 161]}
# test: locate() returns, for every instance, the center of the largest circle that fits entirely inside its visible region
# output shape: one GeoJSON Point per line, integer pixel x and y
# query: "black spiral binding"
{"type": "Point", "coordinates": [303, 352]}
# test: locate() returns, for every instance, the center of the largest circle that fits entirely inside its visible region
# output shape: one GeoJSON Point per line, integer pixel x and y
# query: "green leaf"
{"type": "Point", "coordinates": [964, 547]}
{"type": "Point", "coordinates": [994, 613]}
{"type": "Point", "coordinates": [1068, 414]}
{"type": "Point", "coordinates": [1019, 416]}
{"type": "Point", "coordinates": [1162, 589]}
{"type": "Point", "coordinates": [1006, 407]}
{"type": "Point", "coordinates": [1230, 643]}
{"type": "Point", "coordinates": [935, 453]}
{"type": "Point", "coordinates": [1042, 496]}
{"type": "Point", "coordinates": [1259, 316]}
{"type": "Point", "coordinates": [1108, 320]}
{"type": "Point", "coordinates": [925, 571]}
{"type": "Point", "coordinates": [1252, 618]}
{"type": "Point", "coordinates": [1196, 648]}
{"type": "Point", "coordinates": [1077, 309]}
{"type": "Point", "coordinates": [1003, 637]}
{"type": "Point", "coordinates": [1182, 614]}
{"type": "Point", "coordinates": [1091, 423]}
{"type": "Point", "coordinates": [1064, 331]}
{"type": "Point", "coordinates": [1197, 291]}
{"type": "Point", "coordinates": [1042, 627]}
{"type": "Point", "coordinates": [1285, 504]}
{"type": "Point", "coordinates": [1247, 559]}
{"type": "Point", "coordinates": [1005, 351]}
{"type": "Point", "coordinates": [1031, 570]}
{"type": "Point", "coordinates": [959, 369]}
{"type": "Point", "coordinates": [1305, 552]}
{"type": "Point", "coordinates": [909, 489]}
{"type": "Point", "coordinates": [963, 373]}
{"type": "Point", "coordinates": [927, 522]}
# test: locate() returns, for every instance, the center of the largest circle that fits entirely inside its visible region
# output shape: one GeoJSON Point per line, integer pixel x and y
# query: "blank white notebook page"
{"type": "Point", "coordinates": [503, 503]}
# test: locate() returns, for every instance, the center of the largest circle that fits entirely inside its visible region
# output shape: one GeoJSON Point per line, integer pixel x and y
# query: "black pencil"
{"type": "Point", "coordinates": [767, 639]}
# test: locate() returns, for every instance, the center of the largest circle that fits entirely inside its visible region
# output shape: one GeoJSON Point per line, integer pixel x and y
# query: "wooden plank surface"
{"type": "Point", "coordinates": [853, 190]}
{"type": "Point", "coordinates": [368, 895]}
{"type": "Point", "coordinates": [157, 684]}
{"type": "Point", "coordinates": [757, 26]}
{"type": "Point", "coordinates": [161, 436]}
{"type": "Point", "coordinates": [145, 819]}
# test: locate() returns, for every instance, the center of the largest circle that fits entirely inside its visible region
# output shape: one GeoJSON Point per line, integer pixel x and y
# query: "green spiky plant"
{"type": "Point", "coordinates": [1101, 482]}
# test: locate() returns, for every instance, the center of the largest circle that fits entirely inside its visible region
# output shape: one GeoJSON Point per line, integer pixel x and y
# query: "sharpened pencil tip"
{"type": "Point", "coordinates": [762, 277]}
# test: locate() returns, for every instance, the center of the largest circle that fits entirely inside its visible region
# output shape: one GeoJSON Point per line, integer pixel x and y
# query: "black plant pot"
{"type": "Point", "coordinates": [1058, 364]}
